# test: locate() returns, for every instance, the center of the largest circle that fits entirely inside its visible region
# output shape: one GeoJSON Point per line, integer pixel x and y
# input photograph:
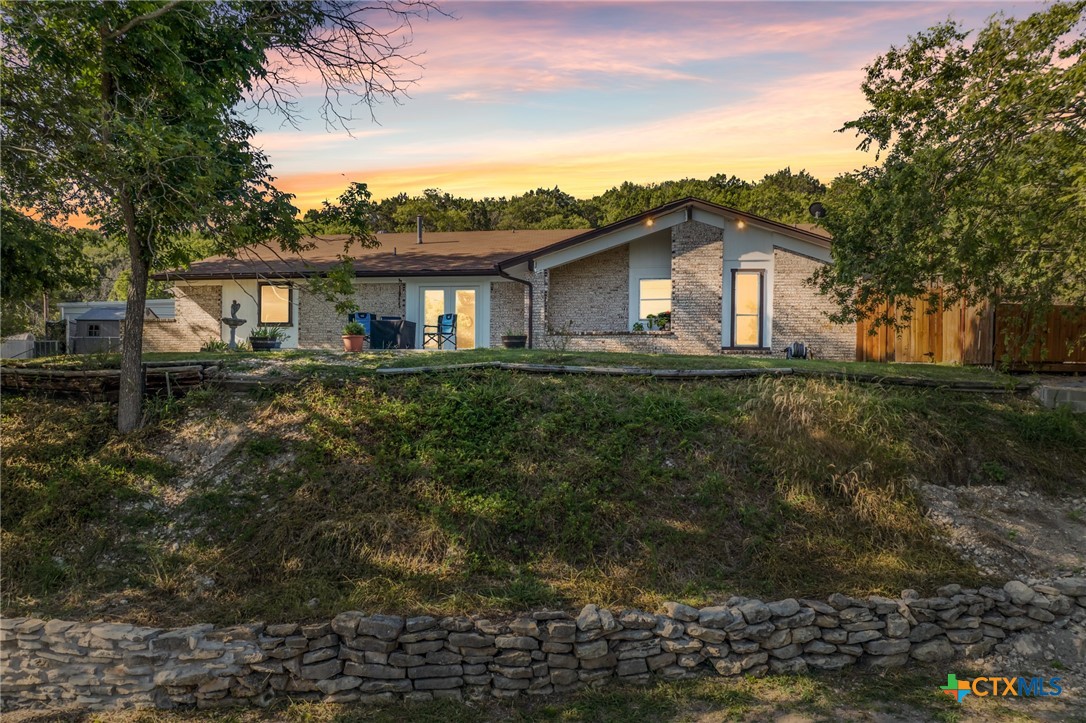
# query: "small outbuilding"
{"type": "Point", "coordinates": [97, 330]}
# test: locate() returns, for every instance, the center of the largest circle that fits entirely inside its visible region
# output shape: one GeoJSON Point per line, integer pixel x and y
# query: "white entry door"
{"type": "Point", "coordinates": [459, 300]}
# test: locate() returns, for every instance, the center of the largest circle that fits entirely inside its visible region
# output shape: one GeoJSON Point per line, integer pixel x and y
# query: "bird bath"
{"type": "Point", "coordinates": [234, 322]}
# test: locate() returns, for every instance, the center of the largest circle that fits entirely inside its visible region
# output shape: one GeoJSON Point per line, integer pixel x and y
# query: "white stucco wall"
{"type": "Point", "coordinates": [650, 258]}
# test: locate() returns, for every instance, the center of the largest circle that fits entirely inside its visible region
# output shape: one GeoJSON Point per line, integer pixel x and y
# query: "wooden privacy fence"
{"type": "Point", "coordinates": [1059, 341]}
{"type": "Point", "coordinates": [956, 332]}
{"type": "Point", "coordinates": [979, 334]}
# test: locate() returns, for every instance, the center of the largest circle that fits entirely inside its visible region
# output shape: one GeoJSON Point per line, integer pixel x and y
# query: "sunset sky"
{"type": "Point", "coordinates": [518, 95]}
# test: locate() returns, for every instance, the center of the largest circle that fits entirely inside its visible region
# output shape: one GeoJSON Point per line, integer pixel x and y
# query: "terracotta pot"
{"type": "Point", "coordinates": [353, 342]}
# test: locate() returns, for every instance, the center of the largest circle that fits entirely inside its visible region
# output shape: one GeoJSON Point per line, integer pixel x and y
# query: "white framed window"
{"type": "Point", "coordinates": [654, 297]}
{"type": "Point", "coordinates": [748, 308]}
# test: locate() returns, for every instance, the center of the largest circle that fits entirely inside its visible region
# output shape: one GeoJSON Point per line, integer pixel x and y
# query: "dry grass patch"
{"type": "Point", "coordinates": [485, 491]}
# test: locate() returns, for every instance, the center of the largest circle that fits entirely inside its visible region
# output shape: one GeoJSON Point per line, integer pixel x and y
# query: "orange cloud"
{"type": "Point", "coordinates": [788, 124]}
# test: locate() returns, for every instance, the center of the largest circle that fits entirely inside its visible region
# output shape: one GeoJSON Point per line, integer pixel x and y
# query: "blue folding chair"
{"type": "Point", "coordinates": [444, 332]}
{"type": "Point", "coordinates": [363, 318]}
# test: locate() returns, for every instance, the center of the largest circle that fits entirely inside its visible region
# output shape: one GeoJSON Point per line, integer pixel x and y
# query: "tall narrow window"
{"type": "Point", "coordinates": [747, 308]}
{"type": "Point", "coordinates": [275, 306]}
{"type": "Point", "coordinates": [655, 297]}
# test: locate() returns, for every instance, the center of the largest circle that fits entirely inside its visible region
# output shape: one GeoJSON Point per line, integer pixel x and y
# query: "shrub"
{"type": "Point", "coordinates": [273, 333]}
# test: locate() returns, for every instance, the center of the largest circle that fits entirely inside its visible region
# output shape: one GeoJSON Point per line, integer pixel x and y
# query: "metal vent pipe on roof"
{"type": "Point", "coordinates": [418, 221]}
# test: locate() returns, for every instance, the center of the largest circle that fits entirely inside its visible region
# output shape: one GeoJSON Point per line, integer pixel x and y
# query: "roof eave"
{"type": "Point", "coordinates": [752, 219]}
{"type": "Point", "coordinates": [360, 273]}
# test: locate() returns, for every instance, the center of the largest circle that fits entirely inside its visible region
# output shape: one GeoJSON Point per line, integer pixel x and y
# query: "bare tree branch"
{"type": "Point", "coordinates": [141, 19]}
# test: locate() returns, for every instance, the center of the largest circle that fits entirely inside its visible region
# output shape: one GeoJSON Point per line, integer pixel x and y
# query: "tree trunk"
{"type": "Point", "coordinates": [130, 396]}
{"type": "Point", "coordinates": [130, 401]}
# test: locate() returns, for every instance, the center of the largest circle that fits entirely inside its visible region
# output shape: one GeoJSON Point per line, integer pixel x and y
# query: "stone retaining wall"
{"type": "Point", "coordinates": [358, 657]}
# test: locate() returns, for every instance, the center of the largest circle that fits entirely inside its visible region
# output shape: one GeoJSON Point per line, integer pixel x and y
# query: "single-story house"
{"type": "Point", "coordinates": [733, 282]}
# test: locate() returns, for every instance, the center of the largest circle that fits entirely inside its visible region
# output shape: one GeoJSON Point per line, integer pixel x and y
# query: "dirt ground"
{"type": "Point", "coordinates": [1013, 533]}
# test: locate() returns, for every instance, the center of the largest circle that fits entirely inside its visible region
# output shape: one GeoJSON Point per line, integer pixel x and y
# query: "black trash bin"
{"type": "Point", "coordinates": [392, 334]}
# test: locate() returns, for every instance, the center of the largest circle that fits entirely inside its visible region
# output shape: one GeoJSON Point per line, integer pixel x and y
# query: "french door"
{"type": "Point", "coordinates": [459, 300]}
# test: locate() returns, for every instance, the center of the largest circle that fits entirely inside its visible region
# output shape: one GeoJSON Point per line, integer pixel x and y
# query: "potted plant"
{"type": "Point", "coordinates": [354, 336]}
{"type": "Point", "coordinates": [663, 320]}
{"type": "Point", "coordinates": [512, 340]}
{"type": "Point", "coordinates": [266, 338]}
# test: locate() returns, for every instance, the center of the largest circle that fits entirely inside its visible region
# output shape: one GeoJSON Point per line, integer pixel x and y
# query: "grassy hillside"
{"type": "Point", "coordinates": [484, 490]}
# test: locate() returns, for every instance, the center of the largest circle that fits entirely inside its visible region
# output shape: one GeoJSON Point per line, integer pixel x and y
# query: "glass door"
{"type": "Point", "coordinates": [451, 300]}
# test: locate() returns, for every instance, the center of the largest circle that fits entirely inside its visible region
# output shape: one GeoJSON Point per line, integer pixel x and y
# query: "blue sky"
{"type": "Point", "coordinates": [518, 95]}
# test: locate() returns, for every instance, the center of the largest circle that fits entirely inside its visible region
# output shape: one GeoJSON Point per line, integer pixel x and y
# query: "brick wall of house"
{"type": "Point", "coordinates": [697, 268]}
{"type": "Point", "coordinates": [197, 314]}
{"type": "Point", "coordinates": [800, 312]}
{"type": "Point", "coordinates": [593, 293]}
{"type": "Point", "coordinates": [539, 281]}
{"type": "Point", "coordinates": [320, 326]}
{"type": "Point", "coordinates": [508, 310]}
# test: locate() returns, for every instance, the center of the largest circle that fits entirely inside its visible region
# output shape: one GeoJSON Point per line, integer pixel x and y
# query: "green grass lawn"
{"type": "Point", "coordinates": [939, 372]}
{"type": "Point", "coordinates": [340, 364]}
{"type": "Point", "coordinates": [486, 491]}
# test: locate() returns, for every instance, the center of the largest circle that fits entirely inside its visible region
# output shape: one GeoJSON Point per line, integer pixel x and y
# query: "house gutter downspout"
{"type": "Point", "coordinates": [531, 298]}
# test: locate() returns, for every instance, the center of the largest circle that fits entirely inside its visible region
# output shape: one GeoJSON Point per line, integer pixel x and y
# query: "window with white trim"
{"type": "Point", "coordinates": [748, 308]}
{"type": "Point", "coordinates": [654, 297]}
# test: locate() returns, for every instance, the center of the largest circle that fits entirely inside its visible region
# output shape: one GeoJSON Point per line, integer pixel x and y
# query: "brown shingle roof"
{"type": "Point", "coordinates": [399, 254]}
{"type": "Point", "coordinates": [450, 253]}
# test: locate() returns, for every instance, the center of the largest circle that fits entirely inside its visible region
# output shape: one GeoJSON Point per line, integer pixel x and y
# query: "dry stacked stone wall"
{"type": "Point", "coordinates": [368, 658]}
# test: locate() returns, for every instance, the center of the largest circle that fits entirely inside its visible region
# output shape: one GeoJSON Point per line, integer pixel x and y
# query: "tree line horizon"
{"type": "Point", "coordinates": [783, 196]}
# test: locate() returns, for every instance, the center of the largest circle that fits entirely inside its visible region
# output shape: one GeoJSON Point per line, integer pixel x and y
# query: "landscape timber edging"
{"type": "Point", "coordinates": [106, 383]}
{"type": "Point", "coordinates": [375, 658]}
{"type": "Point", "coordinates": [863, 377]}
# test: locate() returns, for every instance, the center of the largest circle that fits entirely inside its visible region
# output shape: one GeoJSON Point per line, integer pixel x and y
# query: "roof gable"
{"type": "Point", "coordinates": [686, 207]}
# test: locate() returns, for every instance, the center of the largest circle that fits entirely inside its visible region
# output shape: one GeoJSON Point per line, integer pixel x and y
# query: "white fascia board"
{"type": "Point", "coordinates": [803, 248]}
{"type": "Point", "coordinates": [521, 270]}
{"type": "Point", "coordinates": [608, 241]}
{"type": "Point", "coordinates": [712, 219]}
{"type": "Point", "coordinates": [791, 243]}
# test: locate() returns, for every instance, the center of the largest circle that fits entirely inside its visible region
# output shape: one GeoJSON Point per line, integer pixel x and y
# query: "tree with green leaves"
{"type": "Point", "coordinates": [785, 196]}
{"type": "Point", "coordinates": [132, 114]}
{"type": "Point", "coordinates": [36, 260]}
{"type": "Point", "coordinates": [981, 189]}
{"type": "Point", "coordinates": [547, 208]}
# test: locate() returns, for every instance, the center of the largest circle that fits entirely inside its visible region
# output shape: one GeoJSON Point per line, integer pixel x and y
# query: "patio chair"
{"type": "Point", "coordinates": [441, 333]}
{"type": "Point", "coordinates": [363, 318]}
